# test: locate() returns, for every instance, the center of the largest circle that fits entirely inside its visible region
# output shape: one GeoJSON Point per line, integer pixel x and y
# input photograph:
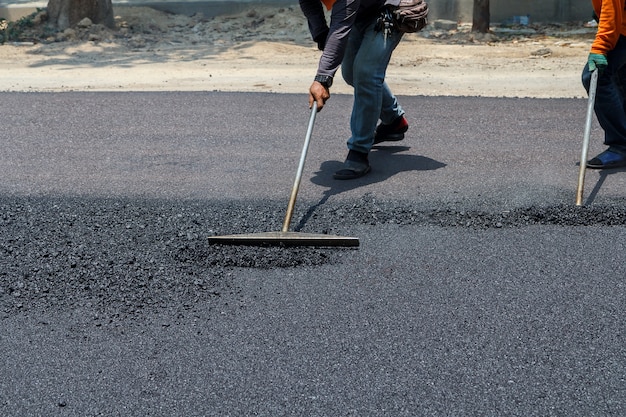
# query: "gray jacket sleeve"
{"type": "Point", "coordinates": [342, 18]}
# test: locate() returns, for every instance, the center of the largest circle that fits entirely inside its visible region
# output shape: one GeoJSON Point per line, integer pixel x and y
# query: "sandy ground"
{"type": "Point", "coordinates": [268, 50]}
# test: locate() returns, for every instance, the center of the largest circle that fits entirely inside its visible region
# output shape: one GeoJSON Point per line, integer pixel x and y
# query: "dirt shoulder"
{"type": "Point", "coordinates": [268, 50]}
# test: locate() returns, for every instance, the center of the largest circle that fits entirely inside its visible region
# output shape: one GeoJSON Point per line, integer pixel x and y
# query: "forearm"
{"type": "Point", "coordinates": [316, 19]}
{"type": "Point", "coordinates": [342, 18]}
{"type": "Point", "coordinates": [609, 26]}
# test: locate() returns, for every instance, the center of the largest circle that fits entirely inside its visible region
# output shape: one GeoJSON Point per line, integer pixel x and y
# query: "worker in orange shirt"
{"type": "Point", "coordinates": [608, 56]}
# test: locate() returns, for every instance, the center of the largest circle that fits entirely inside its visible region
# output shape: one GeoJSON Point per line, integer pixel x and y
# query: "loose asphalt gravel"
{"type": "Point", "coordinates": [479, 289]}
{"type": "Point", "coordinates": [127, 256]}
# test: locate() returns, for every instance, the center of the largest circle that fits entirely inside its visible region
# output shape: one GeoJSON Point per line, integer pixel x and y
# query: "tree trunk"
{"type": "Point", "coordinates": [66, 13]}
{"type": "Point", "coordinates": [481, 18]}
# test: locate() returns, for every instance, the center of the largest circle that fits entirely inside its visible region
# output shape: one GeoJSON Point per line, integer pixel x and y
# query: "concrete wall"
{"type": "Point", "coordinates": [457, 10]}
{"type": "Point", "coordinates": [503, 10]}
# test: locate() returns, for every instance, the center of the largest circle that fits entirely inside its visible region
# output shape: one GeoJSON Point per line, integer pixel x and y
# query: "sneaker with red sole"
{"type": "Point", "coordinates": [392, 132]}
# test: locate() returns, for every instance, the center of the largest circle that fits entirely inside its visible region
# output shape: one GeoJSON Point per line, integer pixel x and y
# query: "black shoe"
{"type": "Point", "coordinates": [355, 166]}
{"type": "Point", "coordinates": [607, 160]}
{"type": "Point", "coordinates": [392, 132]}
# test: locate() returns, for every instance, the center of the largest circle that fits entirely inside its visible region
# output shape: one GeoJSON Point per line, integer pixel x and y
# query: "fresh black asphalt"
{"type": "Point", "coordinates": [479, 289]}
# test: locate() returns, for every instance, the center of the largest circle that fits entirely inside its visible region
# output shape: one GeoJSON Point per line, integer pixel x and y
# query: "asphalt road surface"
{"type": "Point", "coordinates": [479, 289]}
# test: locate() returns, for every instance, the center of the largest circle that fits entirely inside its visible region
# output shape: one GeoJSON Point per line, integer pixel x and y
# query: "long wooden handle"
{"type": "Point", "coordinates": [583, 156]}
{"type": "Point", "coordinates": [296, 184]}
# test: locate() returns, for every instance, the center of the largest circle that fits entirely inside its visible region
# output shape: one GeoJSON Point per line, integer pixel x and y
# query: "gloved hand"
{"type": "Point", "coordinates": [597, 61]}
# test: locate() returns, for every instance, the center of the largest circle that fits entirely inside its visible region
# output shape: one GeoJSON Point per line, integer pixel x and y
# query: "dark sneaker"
{"type": "Point", "coordinates": [392, 132]}
{"type": "Point", "coordinates": [356, 166]}
{"type": "Point", "coordinates": [607, 160]}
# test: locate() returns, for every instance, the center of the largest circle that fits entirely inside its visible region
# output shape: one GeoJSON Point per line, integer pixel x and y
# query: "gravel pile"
{"type": "Point", "coordinates": [124, 256]}
{"type": "Point", "coordinates": [371, 211]}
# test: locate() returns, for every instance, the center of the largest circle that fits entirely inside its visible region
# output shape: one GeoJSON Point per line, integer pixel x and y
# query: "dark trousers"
{"type": "Point", "coordinates": [609, 106]}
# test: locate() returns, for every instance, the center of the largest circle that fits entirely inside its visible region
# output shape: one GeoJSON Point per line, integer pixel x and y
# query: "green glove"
{"type": "Point", "coordinates": [597, 61]}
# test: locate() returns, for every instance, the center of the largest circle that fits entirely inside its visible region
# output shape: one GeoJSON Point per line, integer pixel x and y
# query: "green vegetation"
{"type": "Point", "coordinates": [17, 30]}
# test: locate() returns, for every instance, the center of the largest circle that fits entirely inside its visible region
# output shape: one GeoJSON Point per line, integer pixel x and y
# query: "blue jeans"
{"type": "Point", "coordinates": [363, 67]}
{"type": "Point", "coordinates": [609, 106]}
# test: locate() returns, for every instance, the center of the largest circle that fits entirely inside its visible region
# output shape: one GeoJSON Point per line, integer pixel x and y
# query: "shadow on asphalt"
{"type": "Point", "coordinates": [386, 161]}
{"type": "Point", "coordinates": [603, 174]}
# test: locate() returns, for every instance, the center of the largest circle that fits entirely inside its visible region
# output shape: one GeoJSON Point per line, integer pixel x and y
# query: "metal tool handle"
{"type": "Point", "coordinates": [296, 184]}
{"type": "Point", "coordinates": [583, 157]}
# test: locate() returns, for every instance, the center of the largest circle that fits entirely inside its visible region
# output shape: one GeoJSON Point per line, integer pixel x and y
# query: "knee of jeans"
{"type": "Point", "coordinates": [359, 74]}
{"type": "Point", "coordinates": [364, 76]}
{"type": "Point", "coordinates": [347, 76]}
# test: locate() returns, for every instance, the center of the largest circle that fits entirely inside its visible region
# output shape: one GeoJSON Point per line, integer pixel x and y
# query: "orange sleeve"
{"type": "Point", "coordinates": [610, 26]}
{"type": "Point", "coordinates": [328, 4]}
